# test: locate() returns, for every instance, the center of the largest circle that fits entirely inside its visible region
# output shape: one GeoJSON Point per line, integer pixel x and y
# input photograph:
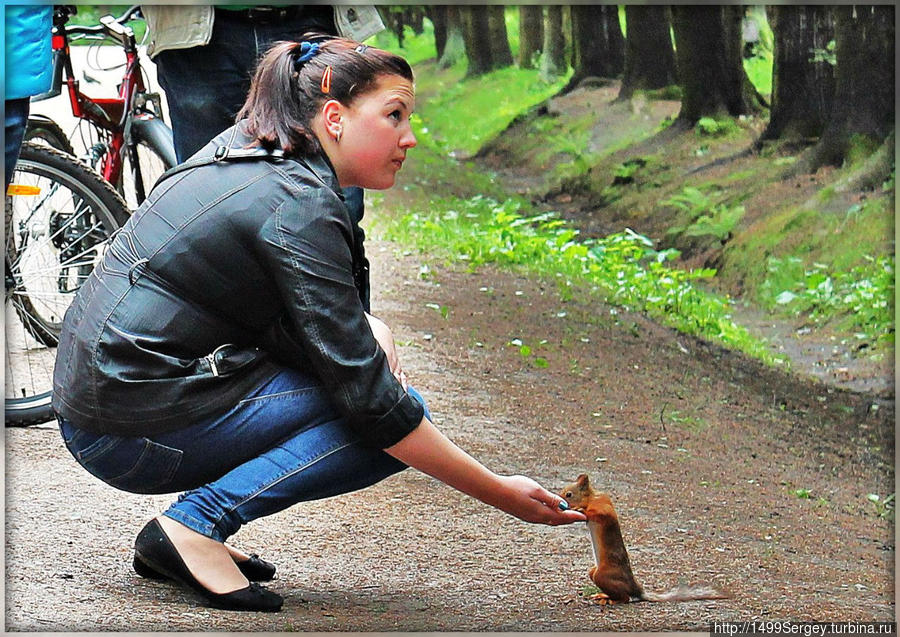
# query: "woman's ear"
{"type": "Point", "coordinates": [333, 118]}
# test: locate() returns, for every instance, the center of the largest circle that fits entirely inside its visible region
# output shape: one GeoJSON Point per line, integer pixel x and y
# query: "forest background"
{"type": "Point", "coordinates": [711, 166]}
{"type": "Point", "coordinates": [544, 243]}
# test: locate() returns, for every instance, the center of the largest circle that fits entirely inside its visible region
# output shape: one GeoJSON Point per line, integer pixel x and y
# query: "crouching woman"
{"type": "Point", "coordinates": [221, 348]}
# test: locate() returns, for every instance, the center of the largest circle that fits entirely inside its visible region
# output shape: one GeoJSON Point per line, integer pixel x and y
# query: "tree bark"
{"type": "Point", "coordinates": [862, 115]}
{"type": "Point", "coordinates": [598, 46]}
{"type": "Point", "coordinates": [501, 55]}
{"type": "Point", "coordinates": [476, 35]}
{"type": "Point", "coordinates": [454, 47]}
{"type": "Point", "coordinates": [802, 88]}
{"type": "Point", "coordinates": [710, 67]}
{"type": "Point", "coordinates": [553, 61]}
{"type": "Point", "coordinates": [649, 55]}
{"type": "Point", "coordinates": [531, 34]}
{"type": "Point", "coordinates": [438, 15]}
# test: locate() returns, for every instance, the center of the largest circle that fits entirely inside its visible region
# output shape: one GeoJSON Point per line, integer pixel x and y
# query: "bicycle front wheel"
{"type": "Point", "coordinates": [59, 216]}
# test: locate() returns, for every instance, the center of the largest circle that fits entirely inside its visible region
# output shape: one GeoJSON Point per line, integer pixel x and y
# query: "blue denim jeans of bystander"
{"type": "Point", "coordinates": [15, 120]}
{"type": "Point", "coordinates": [282, 444]}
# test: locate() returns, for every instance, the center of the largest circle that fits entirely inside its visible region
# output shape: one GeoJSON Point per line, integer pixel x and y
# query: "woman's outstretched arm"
{"type": "Point", "coordinates": [431, 452]}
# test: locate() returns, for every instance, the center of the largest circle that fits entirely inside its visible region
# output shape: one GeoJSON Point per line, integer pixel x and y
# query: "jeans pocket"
{"type": "Point", "coordinates": [136, 465]}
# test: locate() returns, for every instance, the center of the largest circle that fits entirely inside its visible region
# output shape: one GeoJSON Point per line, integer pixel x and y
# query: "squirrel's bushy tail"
{"type": "Point", "coordinates": [686, 593]}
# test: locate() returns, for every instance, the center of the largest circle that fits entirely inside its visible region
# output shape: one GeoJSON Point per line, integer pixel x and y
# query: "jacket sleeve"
{"type": "Point", "coordinates": [307, 244]}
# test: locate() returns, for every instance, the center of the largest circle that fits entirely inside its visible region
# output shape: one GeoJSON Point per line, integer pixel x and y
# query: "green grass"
{"type": "Point", "coordinates": [417, 48]}
{"type": "Point", "coordinates": [623, 268]}
{"type": "Point", "coordinates": [460, 116]}
{"type": "Point", "coordinates": [759, 71]}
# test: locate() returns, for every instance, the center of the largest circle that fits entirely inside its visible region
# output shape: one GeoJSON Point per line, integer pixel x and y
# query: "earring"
{"type": "Point", "coordinates": [337, 135]}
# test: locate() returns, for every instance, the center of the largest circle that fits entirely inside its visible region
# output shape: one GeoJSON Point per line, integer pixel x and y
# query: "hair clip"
{"type": "Point", "coordinates": [362, 48]}
{"type": "Point", "coordinates": [326, 80]}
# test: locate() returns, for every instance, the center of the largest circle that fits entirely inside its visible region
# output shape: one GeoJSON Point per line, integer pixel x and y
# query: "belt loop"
{"type": "Point", "coordinates": [132, 279]}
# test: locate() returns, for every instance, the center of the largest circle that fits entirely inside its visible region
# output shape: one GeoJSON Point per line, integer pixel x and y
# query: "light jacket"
{"type": "Point", "coordinates": [227, 273]}
{"type": "Point", "coordinates": [28, 52]}
{"type": "Point", "coordinates": [186, 26]}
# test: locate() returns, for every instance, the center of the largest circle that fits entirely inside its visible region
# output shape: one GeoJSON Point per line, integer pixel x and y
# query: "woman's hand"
{"type": "Point", "coordinates": [385, 339]}
{"type": "Point", "coordinates": [527, 500]}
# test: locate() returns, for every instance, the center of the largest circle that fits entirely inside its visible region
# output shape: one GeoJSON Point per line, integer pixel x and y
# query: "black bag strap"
{"type": "Point", "coordinates": [223, 153]}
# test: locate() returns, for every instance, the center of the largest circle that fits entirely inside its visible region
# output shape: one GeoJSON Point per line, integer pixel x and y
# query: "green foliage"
{"type": "Point", "coordinates": [759, 72]}
{"type": "Point", "coordinates": [702, 215]}
{"type": "Point", "coordinates": [862, 298]}
{"type": "Point", "coordinates": [825, 55]}
{"type": "Point", "coordinates": [624, 173]}
{"type": "Point", "coordinates": [888, 185]}
{"type": "Point", "coordinates": [624, 267]}
{"type": "Point", "coordinates": [527, 353]}
{"type": "Point", "coordinates": [759, 66]}
{"type": "Point", "coordinates": [89, 15]}
{"type": "Point", "coordinates": [883, 507]}
{"type": "Point", "coordinates": [711, 127]}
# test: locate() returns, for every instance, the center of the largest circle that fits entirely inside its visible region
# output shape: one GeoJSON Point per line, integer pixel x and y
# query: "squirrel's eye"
{"type": "Point", "coordinates": [568, 494]}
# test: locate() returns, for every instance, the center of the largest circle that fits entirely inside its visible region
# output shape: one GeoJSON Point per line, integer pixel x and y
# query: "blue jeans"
{"type": "Point", "coordinates": [282, 444]}
{"type": "Point", "coordinates": [15, 120]}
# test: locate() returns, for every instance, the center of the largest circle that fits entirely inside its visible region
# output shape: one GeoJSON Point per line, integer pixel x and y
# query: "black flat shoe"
{"type": "Point", "coordinates": [153, 548]}
{"type": "Point", "coordinates": [255, 569]}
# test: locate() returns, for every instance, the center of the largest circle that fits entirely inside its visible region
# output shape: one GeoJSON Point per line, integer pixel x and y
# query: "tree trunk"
{"type": "Point", "coordinates": [598, 46]}
{"type": "Point", "coordinates": [862, 115]}
{"type": "Point", "coordinates": [501, 55]}
{"type": "Point", "coordinates": [553, 61]}
{"type": "Point", "coordinates": [531, 34]}
{"type": "Point", "coordinates": [476, 35]}
{"type": "Point", "coordinates": [710, 67]}
{"type": "Point", "coordinates": [455, 47]}
{"type": "Point", "coordinates": [415, 17]}
{"type": "Point", "coordinates": [802, 88]}
{"type": "Point", "coordinates": [649, 55]}
{"type": "Point", "coordinates": [438, 16]}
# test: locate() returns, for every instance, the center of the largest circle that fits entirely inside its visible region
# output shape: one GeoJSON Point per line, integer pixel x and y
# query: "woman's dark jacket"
{"type": "Point", "coordinates": [226, 274]}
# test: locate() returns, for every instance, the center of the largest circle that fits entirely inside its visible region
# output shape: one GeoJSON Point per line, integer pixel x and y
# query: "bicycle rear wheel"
{"type": "Point", "coordinates": [155, 150]}
{"type": "Point", "coordinates": [41, 129]}
{"type": "Point", "coordinates": [59, 216]}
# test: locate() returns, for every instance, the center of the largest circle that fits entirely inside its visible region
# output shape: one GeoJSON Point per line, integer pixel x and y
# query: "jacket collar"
{"type": "Point", "coordinates": [318, 164]}
{"type": "Point", "coordinates": [321, 167]}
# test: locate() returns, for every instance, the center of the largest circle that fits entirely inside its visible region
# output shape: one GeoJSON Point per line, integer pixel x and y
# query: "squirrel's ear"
{"type": "Point", "coordinates": [582, 481]}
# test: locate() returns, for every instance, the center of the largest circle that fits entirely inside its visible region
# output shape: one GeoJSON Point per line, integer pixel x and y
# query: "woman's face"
{"type": "Point", "coordinates": [375, 135]}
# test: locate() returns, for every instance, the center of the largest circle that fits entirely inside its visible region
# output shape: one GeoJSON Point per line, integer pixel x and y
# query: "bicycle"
{"type": "Point", "coordinates": [125, 137]}
{"type": "Point", "coordinates": [59, 217]}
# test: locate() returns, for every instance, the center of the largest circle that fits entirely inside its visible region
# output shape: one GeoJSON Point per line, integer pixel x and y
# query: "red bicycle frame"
{"type": "Point", "coordinates": [108, 114]}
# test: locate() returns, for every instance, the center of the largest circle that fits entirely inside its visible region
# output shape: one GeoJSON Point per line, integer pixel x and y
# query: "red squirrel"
{"type": "Point", "coordinates": [612, 573]}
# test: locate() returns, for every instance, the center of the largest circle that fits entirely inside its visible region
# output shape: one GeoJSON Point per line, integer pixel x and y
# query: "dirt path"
{"type": "Point", "coordinates": [704, 453]}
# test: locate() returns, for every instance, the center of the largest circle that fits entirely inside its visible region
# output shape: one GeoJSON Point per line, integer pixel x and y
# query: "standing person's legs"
{"type": "Point", "coordinates": [206, 85]}
{"type": "Point", "coordinates": [16, 118]}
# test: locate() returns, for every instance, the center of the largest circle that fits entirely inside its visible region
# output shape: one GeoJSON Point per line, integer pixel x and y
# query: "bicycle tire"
{"type": "Point", "coordinates": [155, 148]}
{"type": "Point", "coordinates": [59, 217]}
{"type": "Point", "coordinates": [43, 129]}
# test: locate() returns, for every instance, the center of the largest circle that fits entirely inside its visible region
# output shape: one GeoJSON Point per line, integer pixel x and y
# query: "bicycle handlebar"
{"type": "Point", "coordinates": [109, 25]}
